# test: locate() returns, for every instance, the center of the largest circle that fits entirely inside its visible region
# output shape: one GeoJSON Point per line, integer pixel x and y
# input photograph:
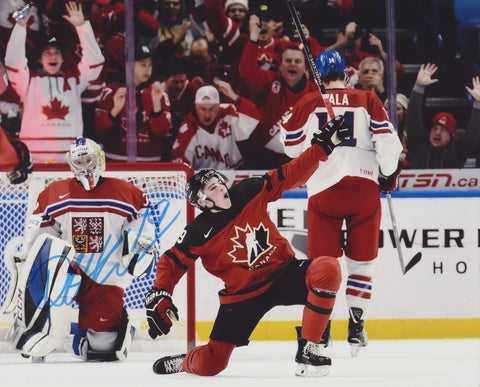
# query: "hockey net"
{"type": "Point", "coordinates": [163, 183]}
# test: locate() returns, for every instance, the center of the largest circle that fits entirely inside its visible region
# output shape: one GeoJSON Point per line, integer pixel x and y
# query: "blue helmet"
{"type": "Point", "coordinates": [330, 62]}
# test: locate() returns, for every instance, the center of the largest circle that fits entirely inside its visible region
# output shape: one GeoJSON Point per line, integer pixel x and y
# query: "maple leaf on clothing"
{"type": "Point", "coordinates": [55, 110]}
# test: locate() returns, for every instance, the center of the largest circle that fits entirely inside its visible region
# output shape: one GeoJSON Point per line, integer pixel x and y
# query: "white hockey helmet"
{"type": "Point", "coordinates": [87, 162]}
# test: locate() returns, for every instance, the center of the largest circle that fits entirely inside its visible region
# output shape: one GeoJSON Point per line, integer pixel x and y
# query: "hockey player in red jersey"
{"type": "Point", "coordinates": [238, 243]}
{"type": "Point", "coordinates": [346, 186]}
{"type": "Point", "coordinates": [103, 222]}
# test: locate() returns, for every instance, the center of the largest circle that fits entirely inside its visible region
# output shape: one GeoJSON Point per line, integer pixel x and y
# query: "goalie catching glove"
{"type": "Point", "coordinates": [24, 167]}
{"type": "Point", "coordinates": [138, 255]}
{"type": "Point", "coordinates": [388, 184]}
{"type": "Point", "coordinates": [160, 312]}
{"type": "Point", "coordinates": [332, 134]}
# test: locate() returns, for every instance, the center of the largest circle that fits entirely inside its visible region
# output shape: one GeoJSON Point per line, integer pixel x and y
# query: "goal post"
{"type": "Point", "coordinates": [164, 185]}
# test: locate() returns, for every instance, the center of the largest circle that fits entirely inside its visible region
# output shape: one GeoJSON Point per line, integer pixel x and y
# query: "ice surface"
{"type": "Point", "coordinates": [386, 363]}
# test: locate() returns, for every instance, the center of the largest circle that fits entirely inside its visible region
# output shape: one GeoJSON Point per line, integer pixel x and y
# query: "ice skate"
{"type": "Point", "coordinates": [309, 359]}
{"type": "Point", "coordinates": [357, 337]}
{"type": "Point", "coordinates": [169, 365]}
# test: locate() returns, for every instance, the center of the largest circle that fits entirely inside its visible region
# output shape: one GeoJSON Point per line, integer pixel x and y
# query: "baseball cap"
{"type": "Point", "coordinates": [142, 52]}
{"type": "Point", "coordinates": [51, 42]}
{"type": "Point", "coordinates": [401, 99]}
{"type": "Point", "coordinates": [267, 10]}
{"type": "Point", "coordinates": [207, 94]}
{"type": "Point", "coordinates": [446, 120]}
{"type": "Point", "coordinates": [228, 3]}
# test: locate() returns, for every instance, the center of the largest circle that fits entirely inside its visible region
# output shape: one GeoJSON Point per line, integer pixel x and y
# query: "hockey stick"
{"type": "Point", "coordinates": [416, 258]}
{"type": "Point", "coordinates": [310, 58]}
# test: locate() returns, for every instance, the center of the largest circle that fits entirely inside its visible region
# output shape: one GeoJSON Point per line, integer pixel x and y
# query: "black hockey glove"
{"type": "Point", "coordinates": [160, 312]}
{"type": "Point", "coordinates": [332, 134]}
{"type": "Point", "coordinates": [21, 171]}
{"type": "Point", "coordinates": [388, 184]}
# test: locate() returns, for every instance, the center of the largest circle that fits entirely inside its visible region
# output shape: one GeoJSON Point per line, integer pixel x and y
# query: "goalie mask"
{"type": "Point", "coordinates": [197, 182]}
{"type": "Point", "coordinates": [87, 162]}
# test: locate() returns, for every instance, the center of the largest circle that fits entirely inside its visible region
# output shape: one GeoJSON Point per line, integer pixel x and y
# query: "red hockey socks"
{"type": "Point", "coordinates": [323, 281]}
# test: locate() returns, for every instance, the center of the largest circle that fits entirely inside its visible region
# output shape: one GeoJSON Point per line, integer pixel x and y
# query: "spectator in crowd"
{"type": "Point", "coordinates": [10, 105]}
{"type": "Point", "coordinates": [52, 110]}
{"type": "Point", "coordinates": [153, 118]}
{"type": "Point", "coordinates": [262, 25]}
{"type": "Point", "coordinates": [346, 188]}
{"type": "Point", "coordinates": [402, 109]}
{"type": "Point", "coordinates": [181, 93]}
{"type": "Point", "coordinates": [370, 77]}
{"type": "Point", "coordinates": [237, 10]}
{"type": "Point", "coordinates": [349, 42]}
{"type": "Point", "coordinates": [202, 62]}
{"type": "Point", "coordinates": [174, 26]}
{"type": "Point", "coordinates": [275, 93]}
{"type": "Point", "coordinates": [439, 145]}
{"type": "Point", "coordinates": [180, 89]}
{"type": "Point", "coordinates": [214, 135]}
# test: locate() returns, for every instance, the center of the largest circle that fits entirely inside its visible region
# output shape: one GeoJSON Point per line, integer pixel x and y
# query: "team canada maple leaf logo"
{"type": "Point", "coordinates": [225, 130]}
{"type": "Point", "coordinates": [250, 244]}
{"type": "Point", "coordinates": [55, 110]}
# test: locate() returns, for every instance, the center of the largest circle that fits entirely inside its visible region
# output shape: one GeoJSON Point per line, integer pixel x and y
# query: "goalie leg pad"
{"type": "Point", "coordinates": [46, 287]}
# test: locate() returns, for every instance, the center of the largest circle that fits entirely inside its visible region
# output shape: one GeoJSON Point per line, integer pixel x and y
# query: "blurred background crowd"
{"type": "Point", "coordinates": [213, 78]}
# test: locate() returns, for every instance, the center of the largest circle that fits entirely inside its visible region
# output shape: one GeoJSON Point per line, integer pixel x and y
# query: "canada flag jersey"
{"type": "Point", "coordinates": [93, 222]}
{"type": "Point", "coordinates": [52, 113]}
{"type": "Point", "coordinates": [374, 141]}
{"type": "Point", "coordinates": [241, 245]}
{"type": "Point", "coordinates": [216, 147]}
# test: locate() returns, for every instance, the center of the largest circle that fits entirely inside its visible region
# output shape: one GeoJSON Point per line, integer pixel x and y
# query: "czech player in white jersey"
{"type": "Point", "coordinates": [86, 239]}
{"type": "Point", "coordinates": [346, 188]}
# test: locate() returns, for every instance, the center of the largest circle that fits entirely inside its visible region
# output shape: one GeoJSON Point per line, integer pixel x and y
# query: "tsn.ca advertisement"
{"type": "Point", "coordinates": [445, 229]}
{"type": "Point", "coordinates": [467, 179]}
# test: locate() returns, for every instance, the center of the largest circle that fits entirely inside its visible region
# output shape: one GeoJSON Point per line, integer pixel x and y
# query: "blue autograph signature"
{"type": "Point", "coordinates": [94, 263]}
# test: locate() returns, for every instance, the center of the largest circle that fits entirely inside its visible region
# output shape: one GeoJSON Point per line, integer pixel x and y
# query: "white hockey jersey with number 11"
{"type": "Point", "coordinates": [374, 141]}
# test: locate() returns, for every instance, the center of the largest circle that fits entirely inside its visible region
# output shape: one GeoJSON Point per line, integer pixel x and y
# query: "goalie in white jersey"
{"type": "Point", "coordinates": [346, 186]}
{"type": "Point", "coordinates": [87, 237]}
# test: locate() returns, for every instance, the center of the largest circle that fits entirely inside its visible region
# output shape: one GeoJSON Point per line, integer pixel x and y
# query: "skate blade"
{"type": "Point", "coordinates": [355, 349]}
{"type": "Point", "coordinates": [309, 370]}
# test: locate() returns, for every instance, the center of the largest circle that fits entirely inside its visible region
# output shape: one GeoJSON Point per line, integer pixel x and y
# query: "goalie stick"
{"type": "Point", "coordinates": [310, 58]}
{"type": "Point", "coordinates": [416, 258]}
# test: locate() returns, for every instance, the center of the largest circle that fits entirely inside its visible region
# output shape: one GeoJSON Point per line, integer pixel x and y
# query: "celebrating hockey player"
{"type": "Point", "coordinates": [238, 243]}
{"type": "Point", "coordinates": [346, 186]}
{"type": "Point", "coordinates": [85, 239]}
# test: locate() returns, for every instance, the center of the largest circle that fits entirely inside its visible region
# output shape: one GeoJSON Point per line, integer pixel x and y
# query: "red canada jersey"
{"type": "Point", "coordinates": [241, 245]}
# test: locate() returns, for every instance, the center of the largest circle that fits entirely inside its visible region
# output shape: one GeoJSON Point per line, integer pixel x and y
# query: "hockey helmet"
{"type": "Point", "coordinates": [87, 161]}
{"type": "Point", "coordinates": [196, 183]}
{"type": "Point", "coordinates": [330, 62]}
